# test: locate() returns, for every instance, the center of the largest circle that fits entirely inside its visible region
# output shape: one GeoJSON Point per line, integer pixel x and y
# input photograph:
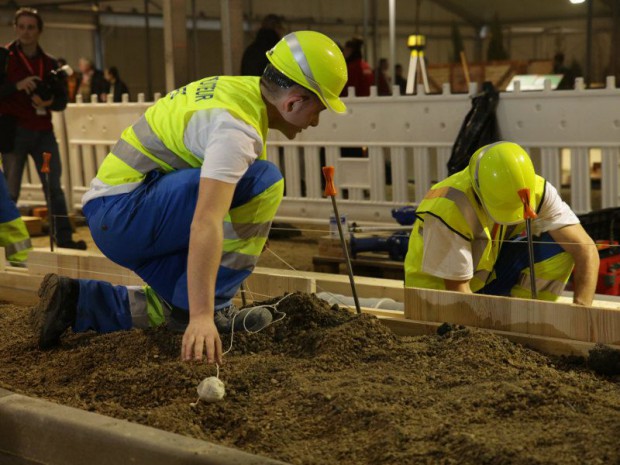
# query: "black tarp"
{"type": "Point", "coordinates": [478, 129]}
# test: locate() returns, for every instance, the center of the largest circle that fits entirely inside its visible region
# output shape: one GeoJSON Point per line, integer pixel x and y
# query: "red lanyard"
{"type": "Point", "coordinates": [29, 66]}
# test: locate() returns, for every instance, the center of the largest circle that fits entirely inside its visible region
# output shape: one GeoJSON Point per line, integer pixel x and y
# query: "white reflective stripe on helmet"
{"type": "Point", "coordinates": [302, 61]}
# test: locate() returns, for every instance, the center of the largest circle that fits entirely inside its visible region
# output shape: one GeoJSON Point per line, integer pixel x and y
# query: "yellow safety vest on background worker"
{"type": "Point", "coordinates": [14, 235]}
{"type": "Point", "coordinates": [454, 202]}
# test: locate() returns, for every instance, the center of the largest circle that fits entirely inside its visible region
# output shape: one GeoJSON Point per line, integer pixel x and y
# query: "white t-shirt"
{"type": "Point", "coordinates": [448, 255]}
{"type": "Point", "coordinates": [227, 146]}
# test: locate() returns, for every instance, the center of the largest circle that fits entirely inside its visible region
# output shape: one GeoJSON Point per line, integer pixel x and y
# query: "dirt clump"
{"type": "Point", "coordinates": [324, 386]}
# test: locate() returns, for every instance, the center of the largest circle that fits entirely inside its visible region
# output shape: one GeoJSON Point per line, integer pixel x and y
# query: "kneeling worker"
{"type": "Point", "coordinates": [469, 233]}
{"type": "Point", "coordinates": [186, 199]}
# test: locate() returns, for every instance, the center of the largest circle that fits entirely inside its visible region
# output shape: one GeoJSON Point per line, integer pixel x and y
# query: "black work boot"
{"type": "Point", "coordinates": [56, 310]}
{"type": "Point", "coordinates": [71, 244]}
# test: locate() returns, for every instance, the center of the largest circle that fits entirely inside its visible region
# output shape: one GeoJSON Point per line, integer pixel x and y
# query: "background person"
{"type": "Point", "coordinates": [29, 95]}
{"type": "Point", "coordinates": [192, 221]}
{"type": "Point", "coordinates": [116, 87]}
{"type": "Point", "coordinates": [358, 70]}
{"type": "Point", "coordinates": [90, 81]}
{"type": "Point", "coordinates": [254, 60]}
{"type": "Point", "coordinates": [468, 235]}
{"type": "Point", "coordinates": [399, 79]}
{"type": "Point", "coordinates": [384, 82]}
{"type": "Point", "coordinates": [14, 236]}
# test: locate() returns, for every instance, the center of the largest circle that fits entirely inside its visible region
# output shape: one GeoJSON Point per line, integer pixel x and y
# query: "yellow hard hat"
{"type": "Point", "coordinates": [315, 62]}
{"type": "Point", "coordinates": [504, 179]}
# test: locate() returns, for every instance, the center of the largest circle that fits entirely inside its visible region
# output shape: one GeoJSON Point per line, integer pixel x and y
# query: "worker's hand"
{"type": "Point", "coordinates": [28, 84]}
{"type": "Point", "coordinates": [40, 103]}
{"type": "Point", "coordinates": [201, 336]}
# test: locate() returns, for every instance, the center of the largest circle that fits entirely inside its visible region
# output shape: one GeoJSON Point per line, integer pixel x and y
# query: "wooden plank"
{"type": "Point", "coordinates": [80, 264]}
{"type": "Point", "coordinates": [262, 286]}
{"type": "Point", "coordinates": [534, 317]}
{"type": "Point", "coordinates": [41, 261]}
{"type": "Point", "coordinates": [34, 225]}
{"type": "Point", "coordinates": [19, 287]}
{"type": "Point", "coordinates": [100, 267]}
{"type": "Point", "coordinates": [339, 284]}
{"type": "Point", "coordinates": [548, 345]}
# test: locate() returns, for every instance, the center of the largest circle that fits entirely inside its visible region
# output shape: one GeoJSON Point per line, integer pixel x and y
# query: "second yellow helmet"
{"type": "Point", "coordinates": [499, 173]}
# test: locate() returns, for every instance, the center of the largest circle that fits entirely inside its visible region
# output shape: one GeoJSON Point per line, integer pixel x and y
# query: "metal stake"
{"type": "Point", "coordinates": [330, 191]}
{"type": "Point", "coordinates": [45, 169]}
{"type": "Point", "coordinates": [530, 249]}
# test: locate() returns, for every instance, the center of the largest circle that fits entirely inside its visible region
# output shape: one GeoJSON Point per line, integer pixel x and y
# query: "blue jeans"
{"type": "Point", "coordinates": [34, 143]}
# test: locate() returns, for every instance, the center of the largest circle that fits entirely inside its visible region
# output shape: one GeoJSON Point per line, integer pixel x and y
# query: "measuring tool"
{"type": "Point", "coordinates": [529, 215]}
{"type": "Point", "coordinates": [45, 169]}
{"type": "Point", "coordinates": [330, 191]}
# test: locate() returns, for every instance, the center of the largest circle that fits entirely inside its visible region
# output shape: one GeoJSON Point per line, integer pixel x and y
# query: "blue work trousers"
{"type": "Point", "coordinates": [514, 258]}
{"type": "Point", "coordinates": [147, 230]}
{"type": "Point", "coordinates": [8, 210]}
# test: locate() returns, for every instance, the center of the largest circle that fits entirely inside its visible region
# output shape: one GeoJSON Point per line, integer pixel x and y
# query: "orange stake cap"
{"type": "Point", "coordinates": [47, 156]}
{"type": "Point", "coordinates": [330, 188]}
{"type": "Point", "coordinates": [528, 213]}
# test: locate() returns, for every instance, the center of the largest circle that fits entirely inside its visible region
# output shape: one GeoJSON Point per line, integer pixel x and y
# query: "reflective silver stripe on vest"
{"type": "Point", "coordinates": [246, 230]}
{"type": "Point", "coordinates": [133, 157]}
{"type": "Point", "coordinates": [553, 286]}
{"type": "Point", "coordinates": [302, 61]}
{"type": "Point", "coordinates": [238, 261]}
{"type": "Point", "coordinates": [17, 247]}
{"type": "Point", "coordinates": [467, 210]}
{"type": "Point", "coordinates": [153, 144]}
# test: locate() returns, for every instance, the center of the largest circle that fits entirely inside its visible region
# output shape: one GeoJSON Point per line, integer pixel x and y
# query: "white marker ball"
{"type": "Point", "coordinates": [211, 389]}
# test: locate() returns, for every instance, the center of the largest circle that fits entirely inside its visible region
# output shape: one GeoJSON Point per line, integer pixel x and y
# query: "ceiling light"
{"type": "Point", "coordinates": [575, 2]}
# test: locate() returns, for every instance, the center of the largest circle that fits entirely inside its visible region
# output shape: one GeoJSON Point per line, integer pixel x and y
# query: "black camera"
{"type": "Point", "coordinates": [46, 87]}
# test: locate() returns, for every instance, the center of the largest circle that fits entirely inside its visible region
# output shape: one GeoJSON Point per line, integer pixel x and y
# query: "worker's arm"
{"type": "Point", "coordinates": [458, 286]}
{"type": "Point", "coordinates": [205, 252]}
{"type": "Point", "coordinates": [575, 240]}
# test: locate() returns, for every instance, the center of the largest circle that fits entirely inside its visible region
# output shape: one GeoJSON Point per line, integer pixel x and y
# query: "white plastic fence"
{"type": "Point", "coordinates": [408, 136]}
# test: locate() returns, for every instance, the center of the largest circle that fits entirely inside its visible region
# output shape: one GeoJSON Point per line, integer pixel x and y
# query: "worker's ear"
{"type": "Point", "coordinates": [293, 102]}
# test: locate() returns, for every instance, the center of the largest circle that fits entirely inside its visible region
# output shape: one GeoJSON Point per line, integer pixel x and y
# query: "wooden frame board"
{"type": "Point", "coordinates": [533, 317]}
{"type": "Point", "coordinates": [552, 327]}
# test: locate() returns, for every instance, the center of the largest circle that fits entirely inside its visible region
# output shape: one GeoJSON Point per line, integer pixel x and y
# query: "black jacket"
{"type": "Point", "coordinates": [254, 59]}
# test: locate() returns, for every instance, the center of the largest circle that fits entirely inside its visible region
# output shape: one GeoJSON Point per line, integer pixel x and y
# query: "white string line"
{"type": "Point", "coordinates": [318, 287]}
{"type": "Point", "coordinates": [327, 231]}
{"type": "Point", "coordinates": [274, 307]}
{"type": "Point", "coordinates": [317, 231]}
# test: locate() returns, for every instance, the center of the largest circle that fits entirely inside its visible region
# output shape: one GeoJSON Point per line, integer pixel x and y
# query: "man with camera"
{"type": "Point", "coordinates": [33, 87]}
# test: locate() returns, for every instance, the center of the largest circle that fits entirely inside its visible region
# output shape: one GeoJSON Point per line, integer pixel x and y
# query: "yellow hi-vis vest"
{"type": "Point", "coordinates": [15, 239]}
{"type": "Point", "coordinates": [155, 142]}
{"type": "Point", "coordinates": [454, 202]}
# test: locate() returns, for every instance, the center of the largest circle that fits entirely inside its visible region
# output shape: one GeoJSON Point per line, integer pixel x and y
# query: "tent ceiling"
{"type": "Point", "coordinates": [473, 12]}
